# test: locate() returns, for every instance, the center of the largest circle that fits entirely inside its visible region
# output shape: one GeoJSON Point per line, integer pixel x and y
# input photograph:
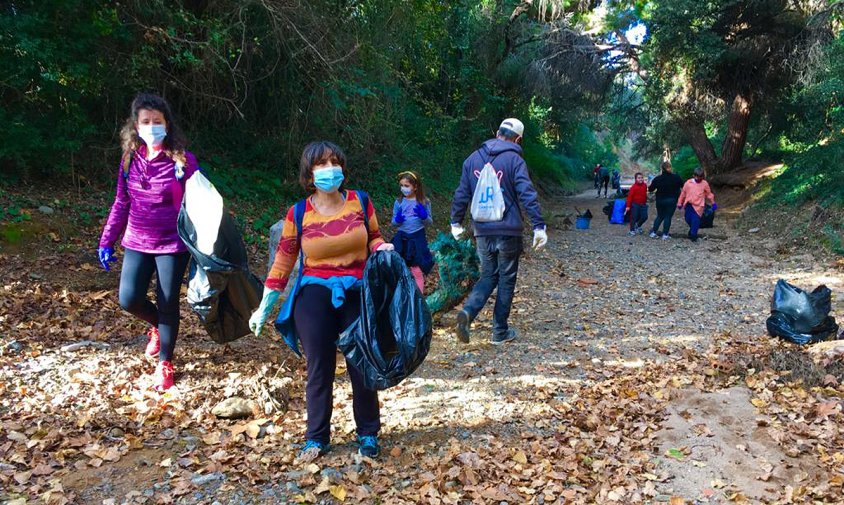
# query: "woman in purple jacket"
{"type": "Point", "coordinates": [150, 185]}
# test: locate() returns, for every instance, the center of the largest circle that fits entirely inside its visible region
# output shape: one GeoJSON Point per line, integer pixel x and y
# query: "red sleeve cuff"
{"type": "Point", "coordinates": [276, 284]}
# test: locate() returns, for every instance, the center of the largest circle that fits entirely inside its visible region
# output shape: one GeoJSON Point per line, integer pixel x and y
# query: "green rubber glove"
{"type": "Point", "coordinates": [259, 317]}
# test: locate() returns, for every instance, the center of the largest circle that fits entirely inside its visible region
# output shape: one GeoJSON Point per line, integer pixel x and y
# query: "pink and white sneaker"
{"type": "Point", "coordinates": [154, 344]}
{"type": "Point", "coordinates": [165, 376]}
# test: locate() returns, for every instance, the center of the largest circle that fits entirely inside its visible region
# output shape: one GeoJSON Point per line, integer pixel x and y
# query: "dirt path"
{"type": "Point", "coordinates": [598, 302]}
{"type": "Point", "coordinates": [612, 393]}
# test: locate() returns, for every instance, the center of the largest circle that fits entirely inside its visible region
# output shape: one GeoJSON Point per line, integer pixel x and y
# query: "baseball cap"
{"type": "Point", "coordinates": [514, 125]}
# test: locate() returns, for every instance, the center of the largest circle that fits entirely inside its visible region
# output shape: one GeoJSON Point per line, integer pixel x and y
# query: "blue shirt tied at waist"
{"type": "Point", "coordinates": [337, 285]}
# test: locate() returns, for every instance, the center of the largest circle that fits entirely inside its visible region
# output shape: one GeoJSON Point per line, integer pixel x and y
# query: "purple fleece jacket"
{"type": "Point", "coordinates": [146, 206]}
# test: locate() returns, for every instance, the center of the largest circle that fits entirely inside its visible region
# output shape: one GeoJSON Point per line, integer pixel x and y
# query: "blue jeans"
{"type": "Point", "coordinates": [499, 257]}
{"type": "Point", "coordinates": [694, 221]}
{"type": "Point", "coordinates": [638, 215]}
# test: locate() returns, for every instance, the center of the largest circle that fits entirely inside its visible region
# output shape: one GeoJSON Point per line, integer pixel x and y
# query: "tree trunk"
{"type": "Point", "coordinates": [734, 141]}
{"type": "Point", "coordinates": [736, 138]}
{"type": "Point", "coordinates": [700, 144]}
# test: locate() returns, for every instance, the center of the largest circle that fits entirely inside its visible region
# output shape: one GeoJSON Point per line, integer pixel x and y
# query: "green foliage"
{"type": "Point", "coordinates": [702, 55]}
{"type": "Point", "coordinates": [812, 175]}
{"type": "Point", "coordinates": [397, 85]}
{"type": "Point", "coordinates": [458, 266]}
{"type": "Point", "coordinates": [814, 147]}
{"type": "Point", "coordinates": [684, 162]}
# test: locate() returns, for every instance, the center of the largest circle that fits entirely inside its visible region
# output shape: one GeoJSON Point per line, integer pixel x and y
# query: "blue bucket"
{"type": "Point", "coordinates": [582, 223]}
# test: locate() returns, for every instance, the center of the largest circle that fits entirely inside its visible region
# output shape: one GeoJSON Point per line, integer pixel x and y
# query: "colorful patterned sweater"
{"type": "Point", "coordinates": [333, 246]}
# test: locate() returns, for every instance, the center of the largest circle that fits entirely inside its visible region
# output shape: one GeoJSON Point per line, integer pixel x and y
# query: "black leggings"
{"type": "Point", "coordinates": [135, 277]}
{"type": "Point", "coordinates": [665, 208]}
{"type": "Point", "coordinates": [318, 325]}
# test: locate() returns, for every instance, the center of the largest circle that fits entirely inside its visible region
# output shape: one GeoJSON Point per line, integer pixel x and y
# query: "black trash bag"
{"type": "Point", "coordinates": [707, 220]}
{"type": "Point", "coordinates": [587, 214]}
{"type": "Point", "coordinates": [393, 334]}
{"type": "Point", "coordinates": [607, 210]}
{"type": "Point", "coordinates": [221, 289]}
{"type": "Point", "coordinates": [801, 317]}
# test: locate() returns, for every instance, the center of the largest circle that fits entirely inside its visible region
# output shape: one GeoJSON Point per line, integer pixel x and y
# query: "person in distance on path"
{"type": "Point", "coordinates": [637, 204]}
{"type": "Point", "coordinates": [667, 187]}
{"type": "Point", "coordinates": [693, 198]}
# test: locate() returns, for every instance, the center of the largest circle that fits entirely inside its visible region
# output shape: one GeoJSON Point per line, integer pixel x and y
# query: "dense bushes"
{"type": "Point", "coordinates": [398, 84]}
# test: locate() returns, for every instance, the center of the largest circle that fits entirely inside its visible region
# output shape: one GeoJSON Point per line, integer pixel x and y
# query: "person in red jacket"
{"type": "Point", "coordinates": [637, 204]}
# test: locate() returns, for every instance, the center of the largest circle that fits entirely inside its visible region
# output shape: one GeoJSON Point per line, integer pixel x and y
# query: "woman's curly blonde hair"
{"type": "Point", "coordinates": [174, 143]}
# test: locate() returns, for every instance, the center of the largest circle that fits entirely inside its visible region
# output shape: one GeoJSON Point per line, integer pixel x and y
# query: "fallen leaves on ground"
{"type": "Point", "coordinates": [567, 413]}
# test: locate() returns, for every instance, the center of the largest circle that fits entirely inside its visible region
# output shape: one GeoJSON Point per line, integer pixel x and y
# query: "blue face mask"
{"type": "Point", "coordinates": [328, 179]}
{"type": "Point", "coordinates": [152, 134]}
{"type": "Point", "coordinates": [406, 191]}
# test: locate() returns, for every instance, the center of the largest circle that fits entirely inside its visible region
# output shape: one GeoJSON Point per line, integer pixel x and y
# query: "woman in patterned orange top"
{"type": "Point", "coordinates": [334, 243]}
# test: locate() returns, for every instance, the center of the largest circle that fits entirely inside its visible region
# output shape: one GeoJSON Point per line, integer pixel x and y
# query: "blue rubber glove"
{"type": "Point", "coordinates": [259, 317]}
{"type": "Point", "coordinates": [714, 206]}
{"type": "Point", "coordinates": [106, 255]}
{"type": "Point", "coordinates": [420, 211]}
{"type": "Point", "coordinates": [399, 219]}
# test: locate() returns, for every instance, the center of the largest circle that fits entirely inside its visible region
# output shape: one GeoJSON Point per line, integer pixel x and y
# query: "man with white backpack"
{"type": "Point", "coordinates": [494, 181]}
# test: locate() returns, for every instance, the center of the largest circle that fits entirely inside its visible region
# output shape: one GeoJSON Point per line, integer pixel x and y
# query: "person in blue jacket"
{"type": "Point", "coordinates": [499, 243]}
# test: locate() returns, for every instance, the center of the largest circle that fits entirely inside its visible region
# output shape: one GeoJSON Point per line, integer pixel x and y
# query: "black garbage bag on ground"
{"type": "Point", "coordinates": [587, 214]}
{"type": "Point", "coordinates": [801, 317]}
{"type": "Point", "coordinates": [607, 210]}
{"type": "Point", "coordinates": [221, 289]}
{"type": "Point", "coordinates": [393, 335]}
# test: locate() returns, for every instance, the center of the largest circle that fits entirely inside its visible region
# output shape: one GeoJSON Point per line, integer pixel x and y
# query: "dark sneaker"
{"type": "Point", "coordinates": [498, 340]}
{"type": "Point", "coordinates": [463, 326]}
{"type": "Point", "coordinates": [368, 446]}
{"type": "Point", "coordinates": [311, 451]}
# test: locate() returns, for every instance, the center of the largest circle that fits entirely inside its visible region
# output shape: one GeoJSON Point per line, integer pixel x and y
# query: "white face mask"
{"type": "Point", "coordinates": [406, 191]}
{"type": "Point", "coordinates": [152, 134]}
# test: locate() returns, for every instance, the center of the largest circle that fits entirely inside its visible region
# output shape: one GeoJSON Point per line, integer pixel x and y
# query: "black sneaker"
{"type": "Point", "coordinates": [502, 339]}
{"type": "Point", "coordinates": [368, 446]}
{"type": "Point", "coordinates": [463, 326]}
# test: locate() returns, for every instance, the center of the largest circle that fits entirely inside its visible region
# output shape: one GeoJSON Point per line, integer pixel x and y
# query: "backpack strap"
{"type": "Point", "coordinates": [488, 161]}
{"type": "Point", "coordinates": [363, 198]}
{"type": "Point", "coordinates": [298, 218]}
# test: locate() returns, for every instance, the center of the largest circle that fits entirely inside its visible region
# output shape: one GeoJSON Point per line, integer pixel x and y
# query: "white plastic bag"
{"type": "Point", "coordinates": [204, 207]}
{"type": "Point", "coordinates": [488, 200]}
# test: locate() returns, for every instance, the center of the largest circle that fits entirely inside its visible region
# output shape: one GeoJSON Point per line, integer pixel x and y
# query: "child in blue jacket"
{"type": "Point", "coordinates": [411, 213]}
